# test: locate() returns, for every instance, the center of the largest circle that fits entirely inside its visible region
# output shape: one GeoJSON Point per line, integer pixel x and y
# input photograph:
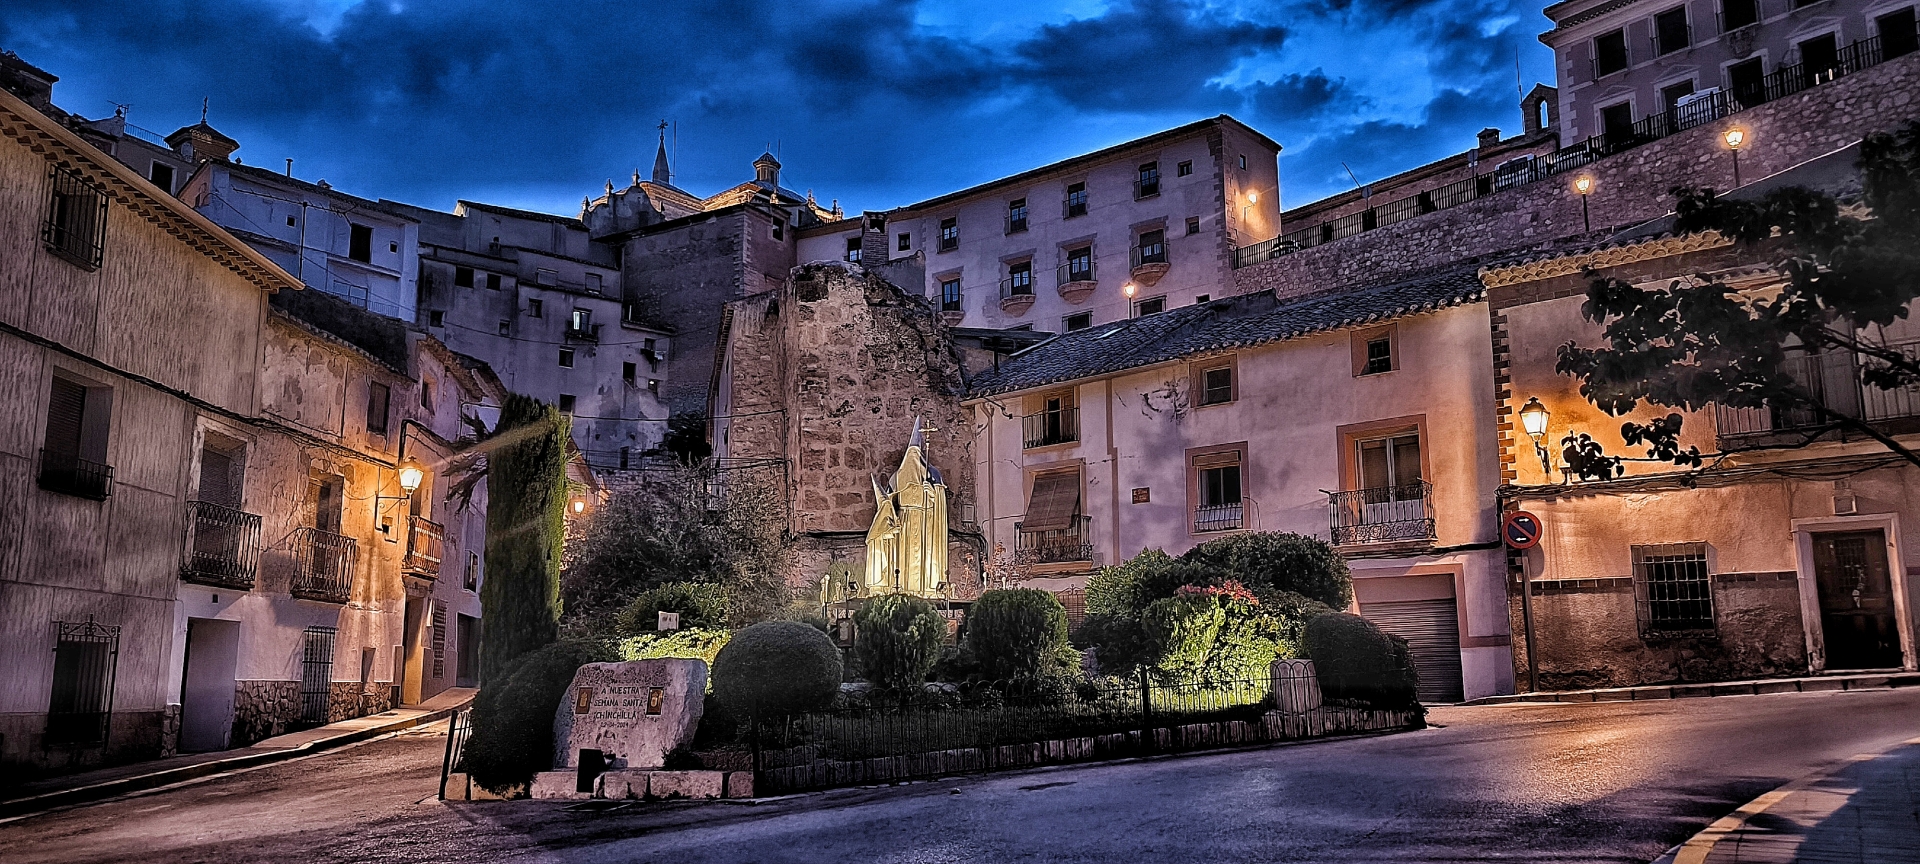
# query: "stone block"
{"type": "Point", "coordinates": [632, 712]}
{"type": "Point", "coordinates": [1868, 682]}
{"type": "Point", "coordinates": [558, 785]}
{"type": "Point", "coordinates": [622, 784]}
{"type": "Point", "coordinates": [1776, 687]}
{"type": "Point", "coordinates": [738, 784]}
{"type": "Point", "coordinates": [685, 784]}
{"type": "Point", "coordinates": [1821, 685]}
{"type": "Point", "coordinates": [1296, 687]}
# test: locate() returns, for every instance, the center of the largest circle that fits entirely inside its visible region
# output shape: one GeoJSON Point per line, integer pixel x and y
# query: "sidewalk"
{"type": "Point", "coordinates": [38, 795]}
{"type": "Point", "coordinates": [1808, 684]}
{"type": "Point", "coordinates": [1865, 810]}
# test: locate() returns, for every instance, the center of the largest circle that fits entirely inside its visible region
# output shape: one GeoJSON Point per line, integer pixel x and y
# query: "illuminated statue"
{"type": "Point", "coordinates": [907, 545]}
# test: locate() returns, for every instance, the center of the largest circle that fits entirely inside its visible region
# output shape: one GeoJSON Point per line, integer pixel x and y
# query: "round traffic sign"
{"type": "Point", "coordinates": [1521, 530]}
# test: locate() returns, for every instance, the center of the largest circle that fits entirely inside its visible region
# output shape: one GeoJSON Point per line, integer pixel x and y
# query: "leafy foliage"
{"type": "Point", "coordinates": [700, 606]}
{"type": "Point", "coordinates": [1018, 633]}
{"type": "Point", "coordinates": [1700, 341]}
{"type": "Point", "coordinates": [513, 713]}
{"type": "Point", "coordinates": [526, 527]}
{"type": "Point", "coordinates": [777, 667]}
{"type": "Point", "coordinates": [897, 640]}
{"type": "Point", "coordinates": [1357, 661]}
{"type": "Point", "coordinates": [687, 644]}
{"type": "Point", "coordinates": [1268, 562]}
{"type": "Point", "coordinates": [687, 438]}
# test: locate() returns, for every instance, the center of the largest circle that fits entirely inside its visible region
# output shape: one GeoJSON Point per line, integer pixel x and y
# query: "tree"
{"type": "Point", "coordinates": [896, 640]}
{"type": "Point", "coordinates": [526, 528]}
{"type": "Point", "coordinates": [1699, 341]}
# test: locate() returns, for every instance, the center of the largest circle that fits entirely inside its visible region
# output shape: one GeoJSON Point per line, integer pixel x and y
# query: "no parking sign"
{"type": "Point", "coordinates": [1521, 530]}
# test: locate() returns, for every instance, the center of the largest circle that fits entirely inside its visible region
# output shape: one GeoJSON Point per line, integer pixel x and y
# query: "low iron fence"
{"type": "Point", "coordinates": [459, 729]}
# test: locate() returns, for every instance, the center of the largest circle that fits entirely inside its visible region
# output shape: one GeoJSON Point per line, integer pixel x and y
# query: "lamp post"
{"type": "Point", "coordinates": [1735, 137]}
{"type": "Point", "coordinates": [1533, 418]}
{"type": "Point", "coordinates": [1584, 186]}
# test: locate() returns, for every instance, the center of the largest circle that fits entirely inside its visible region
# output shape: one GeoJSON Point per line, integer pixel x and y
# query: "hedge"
{"type": "Point", "coordinates": [775, 668]}
{"type": "Point", "coordinates": [513, 714]}
{"type": "Point", "coordinates": [896, 640]}
{"type": "Point", "coordinates": [1356, 661]}
{"type": "Point", "coordinates": [1018, 633]}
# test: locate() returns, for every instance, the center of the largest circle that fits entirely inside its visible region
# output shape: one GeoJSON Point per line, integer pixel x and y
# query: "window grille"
{"type": "Point", "coordinates": [1379, 356]}
{"type": "Point", "coordinates": [1673, 591]}
{"type": "Point", "coordinates": [473, 558]}
{"type": "Point", "coordinates": [84, 657]}
{"type": "Point", "coordinates": [439, 641]}
{"type": "Point", "coordinates": [316, 675]}
{"type": "Point", "coordinates": [76, 225]}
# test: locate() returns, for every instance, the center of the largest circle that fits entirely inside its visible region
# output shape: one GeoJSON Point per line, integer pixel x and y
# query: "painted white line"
{"type": "Point", "coordinates": [1696, 849]}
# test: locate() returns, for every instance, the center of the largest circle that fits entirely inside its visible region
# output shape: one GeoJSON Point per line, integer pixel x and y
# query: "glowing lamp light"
{"type": "Point", "coordinates": [1128, 290]}
{"type": "Point", "coordinates": [1533, 418]}
{"type": "Point", "coordinates": [410, 476]}
{"type": "Point", "coordinates": [1735, 137]}
{"type": "Point", "coordinates": [579, 506]}
{"type": "Point", "coordinates": [1253, 197]}
{"type": "Point", "coordinates": [1584, 185]}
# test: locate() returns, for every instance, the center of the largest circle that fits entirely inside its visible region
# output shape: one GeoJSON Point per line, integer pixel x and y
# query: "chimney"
{"type": "Point", "coordinates": [873, 238]}
{"type": "Point", "coordinates": [27, 81]}
{"type": "Point", "coordinates": [1489, 137]}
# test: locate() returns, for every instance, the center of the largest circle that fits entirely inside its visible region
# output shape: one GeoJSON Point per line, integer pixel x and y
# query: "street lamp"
{"type": "Point", "coordinates": [1533, 418]}
{"type": "Point", "coordinates": [1735, 137]}
{"type": "Point", "coordinates": [1128, 290]}
{"type": "Point", "coordinates": [1584, 186]}
{"type": "Point", "coordinates": [410, 476]}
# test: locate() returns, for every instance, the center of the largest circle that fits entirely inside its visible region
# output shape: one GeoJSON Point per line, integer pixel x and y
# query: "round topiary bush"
{"type": "Point", "coordinates": [1357, 661]}
{"type": "Point", "coordinates": [1018, 633]}
{"type": "Point", "coordinates": [775, 668]}
{"type": "Point", "coordinates": [896, 640]}
{"type": "Point", "coordinates": [1268, 562]}
{"type": "Point", "coordinates": [701, 607]}
{"type": "Point", "coordinates": [513, 714]}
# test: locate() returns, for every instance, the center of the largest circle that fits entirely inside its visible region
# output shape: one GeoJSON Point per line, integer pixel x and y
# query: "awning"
{"type": "Point", "coordinates": [1056, 499]}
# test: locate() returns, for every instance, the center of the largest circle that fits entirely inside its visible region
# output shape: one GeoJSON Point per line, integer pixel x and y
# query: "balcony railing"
{"type": "Point", "coordinates": [323, 565]}
{"type": "Point", "coordinates": [426, 542]}
{"type": "Point", "coordinates": [1069, 273]}
{"type": "Point", "coordinates": [1046, 428]}
{"type": "Point", "coordinates": [68, 474]}
{"type": "Point", "coordinates": [589, 333]}
{"type": "Point", "coordinates": [1832, 380]}
{"type": "Point", "coordinates": [1218, 517]}
{"type": "Point", "coordinates": [223, 546]}
{"type": "Point", "coordinates": [1783, 82]}
{"type": "Point", "coordinates": [1152, 253]}
{"type": "Point", "coordinates": [1065, 545]}
{"type": "Point", "coordinates": [1146, 187]}
{"type": "Point", "coordinates": [1383, 514]}
{"type": "Point", "coordinates": [1016, 286]}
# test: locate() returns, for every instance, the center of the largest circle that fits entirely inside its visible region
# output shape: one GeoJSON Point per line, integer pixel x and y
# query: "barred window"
{"type": "Point", "coordinates": [1672, 588]}
{"type": "Point", "coordinates": [76, 223]}
{"type": "Point", "coordinates": [439, 641]}
{"type": "Point", "coordinates": [84, 657]}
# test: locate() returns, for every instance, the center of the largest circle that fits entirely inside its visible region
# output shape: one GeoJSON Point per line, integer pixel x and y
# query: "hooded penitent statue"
{"type": "Point", "coordinates": [907, 545]}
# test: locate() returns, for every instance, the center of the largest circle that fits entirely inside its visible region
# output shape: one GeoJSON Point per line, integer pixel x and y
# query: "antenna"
{"type": "Point", "coordinates": [1356, 180]}
{"type": "Point", "coordinates": [203, 110]}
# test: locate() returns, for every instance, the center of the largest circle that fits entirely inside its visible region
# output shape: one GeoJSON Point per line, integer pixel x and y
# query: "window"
{"type": "Point", "coordinates": [950, 295]}
{"type": "Point", "coordinates": [436, 318]}
{"type": "Point", "coordinates": [1671, 95]}
{"type": "Point", "coordinates": [393, 247]}
{"type": "Point", "coordinates": [779, 229]}
{"type": "Point", "coordinates": [1820, 58]}
{"type": "Point", "coordinates": [379, 401]}
{"type": "Point", "coordinates": [1670, 30]}
{"type": "Point", "coordinates": [1080, 264]}
{"type": "Point", "coordinates": [1216, 489]}
{"type": "Point", "coordinates": [360, 242]}
{"type": "Point", "coordinates": [76, 223]}
{"type": "Point", "coordinates": [1016, 215]}
{"type": "Point", "coordinates": [162, 176]}
{"type": "Point", "coordinates": [1184, 168]}
{"type": "Point", "coordinates": [426, 393]}
{"type": "Point", "coordinates": [1020, 278]}
{"type": "Point", "coordinates": [629, 371]}
{"type": "Point", "coordinates": [1616, 120]}
{"type": "Point", "coordinates": [1076, 199]}
{"type": "Point", "coordinates": [853, 249]}
{"type": "Point", "coordinates": [1055, 420]}
{"type": "Point", "coordinates": [472, 577]}
{"type": "Point", "coordinates": [1609, 53]}
{"type": "Point", "coordinates": [1147, 183]}
{"type": "Point", "coordinates": [904, 242]}
{"type": "Point", "coordinates": [1193, 225]}
{"type": "Point", "coordinates": [1898, 36]}
{"type": "Point", "coordinates": [545, 276]}
{"type": "Point", "coordinates": [439, 640]}
{"type": "Point", "coordinates": [1216, 385]}
{"type": "Point", "coordinates": [566, 403]}
{"type": "Point", "coordinates": [1152, 248]}
{"type": "Point", "coordinates": [1079, 321]}
{"type": "Point", "coordinates": [463, 277]}
{"type": "Point", "coordinates": [1672, 588]}
{"type": "Point", "coordinates": [594, 283]}
{"type": "Point", "coordinates": [653, 386]}
{"type": "Point", "coordinates": [84, 657]}
{"type": "Point", "coordinates": [1149, 306]}
{"type": "Point", "coordinates": [582, 321]}
{"type": "Point", "coordinates": [222, 477]}
{"type": "Point", "coordinates": [1390, 462]}
{"type": "Point", "coordinates": [1243, 161]}
{"type": "Point", "coordinates": [533, 308]}
{"type": "Point", "coordinates": [1748, 81]}
{"type": "Point", "coordinates": [289, 221]}
{"type": "Point", "coordinates": [566, 358]}
{"type": "Point", "coordinates": [1379, 356]}
{"type": "Point", "coordinates": [949, 234]}
{"type": "Point", "coordinates": [1202, 298]}
{"type": "Point", "coordinates": [505, 326]}
{"type": "Point", "coordinates": [1053, 506]}
{"type": "Point", "coordinates": [493, 281]}
{"type": "Point", "coordinates": [72, 461]}
{"type": "Point", "coordinates": [1735, 14]}
{"type": "Point", "coordinates": [1373, 351]}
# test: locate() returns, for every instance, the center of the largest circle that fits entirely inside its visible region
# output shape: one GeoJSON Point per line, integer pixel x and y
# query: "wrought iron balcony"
{"type": "Point", "coordinates": [223, 546]}
{"type": "Point", "coordinates": [1832, 379]}
{"type": "Point", "coordinates": [1218, 517]}
{"type": "Point", "coordinates": [1076, 271]}
{"type": "Point", "coordinates": [589, 333]}
{"type": "Point", "coordinates": [1152, 253]}
{"type": "Point", "coordinates": [68, 474]}
{"type": "Point", "coordinates": [1016, 286]}
{"type": "Point", "coordinates": [1383, 514]}
{"type": "Point", "coordinates": [323, 565]}
{"type": "Point", "coordinates": [1065, 545]}
{"type": "Point", "coordinates": [1060, 426]}
{"type": "Point", "coordinates": [426, 542]}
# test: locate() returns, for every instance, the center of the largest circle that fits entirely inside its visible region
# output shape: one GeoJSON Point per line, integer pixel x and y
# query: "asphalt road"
{"type": "Point", "coordinates": [1597, 782]}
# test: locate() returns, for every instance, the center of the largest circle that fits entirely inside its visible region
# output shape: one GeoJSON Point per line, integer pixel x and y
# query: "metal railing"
{"type": "Point", "coordinates": [1016, 225]}
{"type": "Point", "coordinates": [1833, 380]}
{"type": "Point", "coordinates": [1219, 517]}
{"type": "Point", "coordinates": [1382, 514]}
{"type": "Point", "coordinates": [459, 729]}
{"type": "Point", "coordinates": [68, 474]}
{"type": "Point", "coordinates": [1783, 82]}
{"type": "Point", "coordinates": [1061, 545]}
{"type": "Point", "coordinates": [590, 333]}
{"type": "Point", "coordinates": [1017, 286]}
{"type": "Point", "coordinates": [1060, 426]}
{"type": "Point", "coordinates": [1146, 188]}
{"type": "Point", "coordinates": [1068, 274]}
{"type": "Point", "coordinates": [1153, 253]}
{"type": "Point", "coordinates": [426, 543]}
{"type": "Point", "coordinates": [323, 565]}
{"type": "Point", "coordinates": [223, 546]}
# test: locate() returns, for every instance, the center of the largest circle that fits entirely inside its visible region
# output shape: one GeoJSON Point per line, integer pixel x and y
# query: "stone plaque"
{"type": "Point", "coordinates": [632, 712]}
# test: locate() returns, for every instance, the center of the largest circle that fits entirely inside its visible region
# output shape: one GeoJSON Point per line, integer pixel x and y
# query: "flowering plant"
{"type": "Point", "coordinates": [1226, 590]}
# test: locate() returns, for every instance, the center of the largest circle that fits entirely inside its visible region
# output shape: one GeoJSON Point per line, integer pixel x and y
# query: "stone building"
{"type": "Point", "coordinates": [827, 376]}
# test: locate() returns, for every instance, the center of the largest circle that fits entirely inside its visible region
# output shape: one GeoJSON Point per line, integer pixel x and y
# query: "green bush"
{"type": "Point", "coordinates": [1269, 562]}
{"type": "Point", "coordinates": [897, 640]}
{"type": "Point", "coordinates": [526, 526]}
{"type": "Point", "coordinates": [513, 714]}
{"type": "Point", "coordinates": [1125, 590]}
{"type": "Point", "coordinates": [1200, 638]}
{"type": "Point", "coordinates": [1356, 661]}
{"type": "Point", "coordinates": [777, 667]}
{"type": "Point", "coordinates": [689, 644]}
{"type": "Point", "coordinates": [1018, 633]}
{"type": "Point", "coordinates": [701, 606]}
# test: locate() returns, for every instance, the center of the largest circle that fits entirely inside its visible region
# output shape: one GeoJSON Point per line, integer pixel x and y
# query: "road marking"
{"type": "Point", "coordinates": [1698, 847]}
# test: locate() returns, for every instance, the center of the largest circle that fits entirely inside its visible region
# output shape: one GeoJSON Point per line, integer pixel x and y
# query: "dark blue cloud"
{"type": "Point", "coordinates": [875, 102]}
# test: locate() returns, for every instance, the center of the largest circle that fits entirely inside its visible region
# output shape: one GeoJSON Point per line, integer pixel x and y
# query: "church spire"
{"type": "Point", "coordinates": [661, 174]}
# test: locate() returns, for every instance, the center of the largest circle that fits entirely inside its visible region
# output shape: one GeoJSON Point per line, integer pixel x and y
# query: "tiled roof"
{"type": "Point", "coordinates": [1221, 325]}
{"type": "Point", "coordinates": [530, 215]}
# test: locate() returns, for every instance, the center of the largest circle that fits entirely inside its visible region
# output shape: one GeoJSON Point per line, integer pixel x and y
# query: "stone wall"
{"type": "Point", "coordinates": [349, 699]}
{"type": "Point", "coordinates": [1629, 188]}
{"type": "Point", "coordinates": [263, 709]}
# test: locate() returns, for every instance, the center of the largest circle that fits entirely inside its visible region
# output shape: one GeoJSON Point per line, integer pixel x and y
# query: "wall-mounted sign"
{"type": "Point", "coordinates": [1142, 495]}
{"type": "Point", "coordinates": [1521, 530]}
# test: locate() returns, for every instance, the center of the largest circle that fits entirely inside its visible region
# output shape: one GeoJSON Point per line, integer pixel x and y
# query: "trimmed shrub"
{"type": "Point", "coordinates": [513, 714]}
{"type": "Point", "coordinates": [1018, 633]}
{"type": "Point", "coordinates": [1357, 661]}
{"type": "Point", "coordinates": [777, 667]}
{"type": "Point", "coordinates": [1269, 562]}
{"type": "Point", "coordinates": [896, 640]}
{"type": "Point", "coordinates": [701, 606]}
{"type": "Point", "coordinates": [1211, 638]}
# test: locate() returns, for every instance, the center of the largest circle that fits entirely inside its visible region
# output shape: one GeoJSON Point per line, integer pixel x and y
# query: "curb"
{"type": "Point", "coordinates": [1821, 684]}
{"type": "Point", "coordinates": [1696, 849]}
{"type": "Point", "coordinates": [86, 794]}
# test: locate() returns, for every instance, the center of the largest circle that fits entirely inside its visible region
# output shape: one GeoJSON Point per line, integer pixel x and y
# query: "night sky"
{"type": "Point", "coordinates": [877, 104]}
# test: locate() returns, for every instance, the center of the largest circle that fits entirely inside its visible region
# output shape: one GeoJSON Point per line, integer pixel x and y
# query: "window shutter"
{"type": "Point", "coordinates": [66, 407]}
{"type": "Point", "coordinates": [216, 479]}
{"type": "Point", "coordinates": [1055, 499]}
{"type": "Point", "coordinates": [1217, 460]}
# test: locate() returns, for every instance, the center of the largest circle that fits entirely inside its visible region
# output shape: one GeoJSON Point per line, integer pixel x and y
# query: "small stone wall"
{"type": "Point", "coordinates": [263, 709]}
{"type": "Point", "coordinates": [348, 699]}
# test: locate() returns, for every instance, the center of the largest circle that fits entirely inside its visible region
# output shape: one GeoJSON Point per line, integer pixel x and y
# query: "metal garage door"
{"type": "Point", "coordinates": [1432, 631]}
